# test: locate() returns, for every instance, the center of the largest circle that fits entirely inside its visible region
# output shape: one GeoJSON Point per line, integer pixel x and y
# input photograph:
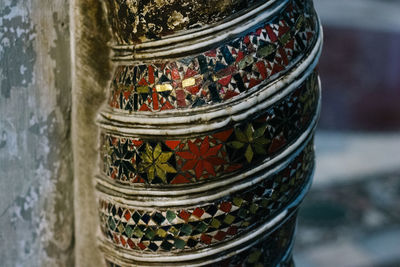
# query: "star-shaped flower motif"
{"type": "Point", "coordinates": [286, 120]}
{"type": "Point", "coordinates": [154, 162]}
{"type": "Point", "coordinates": [122, 158]}
{"type": "Point", "coordinates": [253, 140]}
{"type": "Point", "coordinates": [201, 159]}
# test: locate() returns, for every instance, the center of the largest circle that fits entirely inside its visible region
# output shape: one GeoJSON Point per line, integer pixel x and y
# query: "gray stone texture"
{"type": "Point", "coordinates": [36, 200]}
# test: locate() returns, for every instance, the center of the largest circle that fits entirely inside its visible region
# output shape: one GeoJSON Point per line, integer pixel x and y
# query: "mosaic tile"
{"type": "Point", "coordinates": [268, 252]}
{"type": "Point", "coordinates": [221, 73]}
{"type": "Point", "coordinates": [235, 148]}
{"type": "Point", "coordinates": [197, 227]}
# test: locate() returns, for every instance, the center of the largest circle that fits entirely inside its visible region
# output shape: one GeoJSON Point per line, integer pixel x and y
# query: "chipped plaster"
{"type": "Point", "coordinates": [36, 208]}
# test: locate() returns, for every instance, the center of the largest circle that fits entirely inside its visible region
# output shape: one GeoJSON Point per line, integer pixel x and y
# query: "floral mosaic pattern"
{"type": "Point", "coordinates": [221, 73]}
{"type": "Point", "coordinates": [134, 160]}
{"type": "Point", "coordinates": [193, 228]}
{"type": "Point", "coordinates": [268, 252]}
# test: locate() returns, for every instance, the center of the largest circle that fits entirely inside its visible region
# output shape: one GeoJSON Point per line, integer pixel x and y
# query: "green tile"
{"type": "Point", "coordinates": [137, 232]}
{"type": "Point", "coordinates": [111, 223]}
{"type": "Point", "coordinates": [120, 228]}
{"type": "Point", "coordinates": [215, 223]}
{"type": "Point", "coordinates": [179, 243]}
{"type": "Point", "coordinates": [170, 216]}
{"type": "Point", "coordinates": [237, 201]}
{"type": "Point", "coordinates": [229, 219]}
{"type": "Point", "coordinates": [201, 227]}
{"type": "Point", "coordinates": [129, 231]}
{"type": "Point", "coordinates": [150, 234]}
{"type": "Point", "coordinates": [186, 229]}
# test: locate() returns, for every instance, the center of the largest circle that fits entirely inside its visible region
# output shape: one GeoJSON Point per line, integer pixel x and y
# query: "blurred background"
{"type": "Point", "coordinates": [351, 217]}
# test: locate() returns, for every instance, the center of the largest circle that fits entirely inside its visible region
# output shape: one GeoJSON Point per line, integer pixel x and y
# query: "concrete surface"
{"type": "Point", "coordinates": [36, 201]}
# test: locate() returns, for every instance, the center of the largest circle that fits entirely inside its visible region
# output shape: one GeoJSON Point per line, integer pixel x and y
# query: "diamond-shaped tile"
{"type": "Point", "coordinates": [184, 215]}
{"type": "Point", "coordinates": [150, 234]}
{"type": "Point", "coordinates": [229, 219]}
{"type": "Point", "coordinates": [198, 212]}
{"type": "Point", "coordinates": [129, 230]}
{"type": "Point", "coordinates": [179, 243]}
{"type": "Point", "coordinates": [161, 233]}
{"type": "Point", "coordinates": [170, 216]}
{"type": "Point", "coordinates": [127, 215]}
{"type": "Point", "coordinates": [166, 245]}
{"type": "Point", "coordinates": [137, 232]}
{"type": "Point", "coordinates": [158, 218]}
{"type": "Point", "coordinates": [153, 246]}
{"type": "Point", "coordinates": [201, 227]}
{"type": "Point", "coordinates": [220, 235]}
{"type": "Point", "coordinates": [186, 229]}
{"type": "Point", "coordinates": [145, 218]}
{"type": "Point", "coordinates": [215, 223]}
{"type": "Point", "coordinates": [191, 242]}
{"type": "Point", "coordinates": [120, 228]}
{"type": "Point", "coordinates": [111, 223]}
{"type": "Point", "coordinates": [136, 217]}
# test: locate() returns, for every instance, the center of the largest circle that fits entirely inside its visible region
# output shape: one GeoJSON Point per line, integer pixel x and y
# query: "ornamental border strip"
{"type": "Point", "coordinates": [188, 190]}
{"type": "Point", "coordinates": [130, 226]}
{"type": "Point", "coordinates": [221, 114]}
{"type": "Point", "coordinates": [118, 151]}
{"type": "Point", "coordinates": [148, 193]}
{"type": "Point", "coordinates": [217, 75]}
{"type": "Point", "coordinates": [238, 245]}
{"type": "Point", "coordinates": [283, 259]}
{"type": "Point", "coordinates": [118, 197]}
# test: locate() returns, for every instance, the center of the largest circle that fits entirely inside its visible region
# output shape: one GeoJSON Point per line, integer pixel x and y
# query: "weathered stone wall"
{"type": "Point", "coordinates": [36, 200]}
{"type": "Point", "coordinates": [91, 72]}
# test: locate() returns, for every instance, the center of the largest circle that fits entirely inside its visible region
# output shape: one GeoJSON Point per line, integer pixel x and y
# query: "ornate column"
{"type": "Point", "coordinates": [207, 136]}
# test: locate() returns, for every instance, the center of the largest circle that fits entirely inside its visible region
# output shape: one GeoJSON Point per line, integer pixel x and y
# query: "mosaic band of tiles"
{"type": "Point", "coordinates": [219, 74]}
{"type": "Point", "coordinates": [135, 160]}
{"type": "Point", "coordinates": [164, 18]}
{"type": "Point", "coordinates": [197, 227]}
{"type": "Point", "coordinates": [269, 252]}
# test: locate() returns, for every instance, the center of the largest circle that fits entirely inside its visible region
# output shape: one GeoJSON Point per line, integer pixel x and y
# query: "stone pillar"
{"type": "Point", "coordinates": [206, 139]}
{"type": "Point", "coordinates": [36, 177]}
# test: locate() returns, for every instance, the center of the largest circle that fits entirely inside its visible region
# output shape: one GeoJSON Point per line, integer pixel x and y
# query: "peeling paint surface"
{"type": "Point", "coordinates": [36, 207]}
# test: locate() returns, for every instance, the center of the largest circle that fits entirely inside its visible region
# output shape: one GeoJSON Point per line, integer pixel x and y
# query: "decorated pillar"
{"type": "Point", "coordinates": [206, 144]}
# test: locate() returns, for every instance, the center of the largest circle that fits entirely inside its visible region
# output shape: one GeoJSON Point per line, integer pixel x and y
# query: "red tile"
{"type": "Point", "coordinates": [184, 215]}
{"type": "Point", "coordinates": [220, 235]}
{"type": "Point", "coordinates": [127, 215]}
{"type": "Point", "coordinates": [198, 212]}
{"type": "Point", "coordinates": [172, 144]}
{"type": "Point", "coordinates": [225, 206]}
{"type": "Point", "coordinates": [223, 136]}
{"type": "Point", "coordinates": [206, 239]}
